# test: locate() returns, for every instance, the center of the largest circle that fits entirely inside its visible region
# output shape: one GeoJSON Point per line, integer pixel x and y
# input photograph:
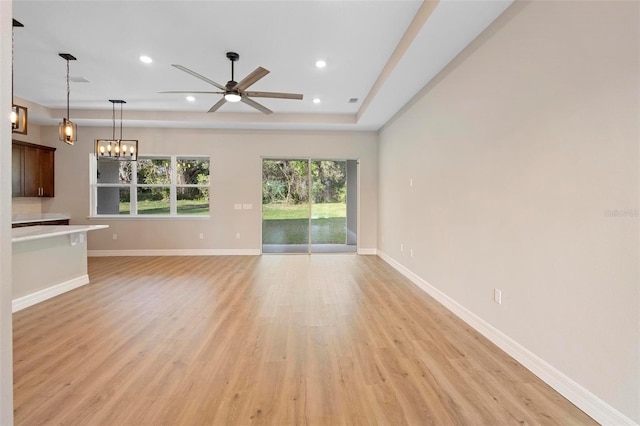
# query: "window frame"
{"type": "Point", "coordinates": [134, 185]}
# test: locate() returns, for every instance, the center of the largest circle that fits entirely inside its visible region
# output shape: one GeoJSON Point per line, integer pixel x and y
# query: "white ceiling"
{"type": "Point", "coordinates": [356, 38]}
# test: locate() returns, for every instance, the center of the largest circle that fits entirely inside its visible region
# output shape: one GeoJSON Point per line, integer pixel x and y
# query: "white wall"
{"type": "Point", "coordinates": [6, 332]}
{"type": "Point", "coordinates": [524, 159]}
{"type": "Point", "coordinates": [236, 176]}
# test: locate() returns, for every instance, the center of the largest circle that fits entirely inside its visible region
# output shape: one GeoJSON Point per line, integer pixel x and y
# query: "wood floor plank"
{"type": "Point", "coordinates": [269, 340]}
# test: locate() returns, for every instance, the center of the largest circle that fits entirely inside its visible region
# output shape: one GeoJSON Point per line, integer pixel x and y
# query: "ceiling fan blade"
{"type": "Point", "coordinates": [256, 105]}
{"type": "Point", "coordinates": [278, 95]}
{"type": "Point", "coordinates": [190, 91]}
{"type": "Point", "coordinates": [256, 75]}
{"type": "Point", "coordinates": [218, 105]}
{"type": "Point", "coordinates": [201, 77]}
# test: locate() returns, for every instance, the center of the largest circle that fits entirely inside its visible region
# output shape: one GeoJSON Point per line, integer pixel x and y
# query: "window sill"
{"type": "Point", "coordinates": [150, 217]}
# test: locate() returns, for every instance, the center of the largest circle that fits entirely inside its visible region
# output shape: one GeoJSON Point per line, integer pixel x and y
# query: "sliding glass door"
{"type": "Point", "coordinates": [309, 206]}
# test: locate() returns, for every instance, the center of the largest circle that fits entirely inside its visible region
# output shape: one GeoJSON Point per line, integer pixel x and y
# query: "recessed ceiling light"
{"type": "Point", "coordinates": [191, 98]}
{"type": "Point", "coordinates": [316, 100]}
{"type": "Point", "coordinates": [321, 63]}
{"type": "Point", "coordinates": [146, 59]}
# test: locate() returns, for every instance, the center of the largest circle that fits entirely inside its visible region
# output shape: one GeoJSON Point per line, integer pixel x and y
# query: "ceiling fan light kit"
{"type": "Point", "coordinates": [237, 92]}
{"type": "Point", "coordinates": [232, 97]}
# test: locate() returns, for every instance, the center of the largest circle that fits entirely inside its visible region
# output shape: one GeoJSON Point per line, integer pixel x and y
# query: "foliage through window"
{"type": "Point", "coordinates": [159, 185]}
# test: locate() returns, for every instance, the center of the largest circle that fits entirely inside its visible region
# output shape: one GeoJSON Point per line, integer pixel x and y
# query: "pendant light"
{"type": "Point", "coordinates": [18, 113]}
{"type": "Point", "coordinates": [117, 149]}
{"type": "Point", "coordinates": [67, 129]}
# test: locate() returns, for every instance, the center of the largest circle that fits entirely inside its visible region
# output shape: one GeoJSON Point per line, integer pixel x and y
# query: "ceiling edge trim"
{"type": "Point", "coordinates": [419, 20]}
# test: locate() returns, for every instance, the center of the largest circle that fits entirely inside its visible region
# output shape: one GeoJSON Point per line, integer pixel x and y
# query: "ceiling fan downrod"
{"type": "Point", "coordinates": [233, 56]}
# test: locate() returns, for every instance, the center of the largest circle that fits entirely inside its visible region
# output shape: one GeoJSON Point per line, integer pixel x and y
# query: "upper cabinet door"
{"type": "Point", "coordinates": [47, 173]}
{"type": "Point", "coordinates": [31, 171]}
{"type": "Point", "coordinates": [17, 160]}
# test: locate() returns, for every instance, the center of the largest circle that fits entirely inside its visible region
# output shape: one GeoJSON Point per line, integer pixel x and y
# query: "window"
{"type": "Point", "coordinates": [152, 186]}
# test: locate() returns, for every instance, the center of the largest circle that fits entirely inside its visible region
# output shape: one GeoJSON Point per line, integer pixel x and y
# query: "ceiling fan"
{"type": "Point", "coordinates": [237, 92]}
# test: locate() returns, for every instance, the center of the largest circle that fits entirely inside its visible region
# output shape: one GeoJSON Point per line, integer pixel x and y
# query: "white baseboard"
{"type": "Point", "coordinates": [595, 407]}
{"type": "Point", "coordinates": [42, 295]}
{"type": "Point", "coordinates": [194, 252]}
{"type": "Point", "coordinates": [186, 252]}
{"type": "Point", "coordinates": [367, 251]}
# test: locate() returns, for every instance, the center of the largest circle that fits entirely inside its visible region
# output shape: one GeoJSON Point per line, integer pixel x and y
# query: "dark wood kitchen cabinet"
{"type": "Point", "coordinates": [33, 170]}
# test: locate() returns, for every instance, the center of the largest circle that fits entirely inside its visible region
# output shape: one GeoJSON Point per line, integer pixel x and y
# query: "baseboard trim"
{"type": "Point", "coordinates": [367, 251]}
{"type": "Point", "coordinates": [186, 252]}
{"type": "Point", "coordinates": [595, 407]}
{"type": "Point", "coordinates": [47, 293]}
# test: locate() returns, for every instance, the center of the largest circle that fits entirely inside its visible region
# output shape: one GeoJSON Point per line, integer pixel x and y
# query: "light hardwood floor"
{"type": "Point", "coordinates": [276, 339]}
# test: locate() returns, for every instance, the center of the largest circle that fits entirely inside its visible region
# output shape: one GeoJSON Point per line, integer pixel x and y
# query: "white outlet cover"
{"type": "Point", "coordinates": [237, 206]}
{"type": "Point", "coordinates": [247, 206]}
{"type": "Point", "coordinates": [497, 296]}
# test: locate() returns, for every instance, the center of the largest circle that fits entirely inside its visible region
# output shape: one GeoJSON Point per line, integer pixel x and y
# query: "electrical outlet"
{"type": "Point", "coordinates": [115, 236]}
{"type": "Point", "coordinates": [237, 235]}
{"type": "Point", "coordinates": [202, 236]}
{"type": "Point", "coordinates": [401, 247]}
{"type": "Point", "coordinates": [411, 252]}
{"type": "Point", "coordinates": [497, 296]}
{"type": "Point", "coordinates": [410, 181]}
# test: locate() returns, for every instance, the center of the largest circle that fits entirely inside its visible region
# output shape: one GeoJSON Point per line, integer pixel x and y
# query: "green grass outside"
{"type": "Point", "coordinates": [301, 211]}
{"type": "Point", "coordinates": [190, 207]}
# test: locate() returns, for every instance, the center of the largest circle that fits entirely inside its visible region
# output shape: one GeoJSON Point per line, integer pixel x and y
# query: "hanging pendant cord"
{"type": "Point", "coordinates": [113, 120]}
{"type": "Point", "coordinates": [12, 60]}
{"type": "Point", "coordinates": [120, 121]}
{"type": "Point", "coordinates": [68, 91]}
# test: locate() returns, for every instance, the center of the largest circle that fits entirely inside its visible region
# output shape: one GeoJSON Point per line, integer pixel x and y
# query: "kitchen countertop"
{"type": "Point", "coordinates": [38, 217]}
{"type": "Point", "coordinates": [41, 231]}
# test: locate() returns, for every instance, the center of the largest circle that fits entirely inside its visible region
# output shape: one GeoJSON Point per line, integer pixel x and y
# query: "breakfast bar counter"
{"type": "Point", "coordinates": [48, 261]}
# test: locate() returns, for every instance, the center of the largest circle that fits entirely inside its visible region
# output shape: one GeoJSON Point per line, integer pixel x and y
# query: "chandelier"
{"type": "Point", "coordinates": [117, 149]}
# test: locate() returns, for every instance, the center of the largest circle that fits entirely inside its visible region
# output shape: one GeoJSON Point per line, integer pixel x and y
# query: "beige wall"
{"type": "Point", "coordinates": [524, 160]}
{"type": "Point", "coordinates": [236, 172]}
